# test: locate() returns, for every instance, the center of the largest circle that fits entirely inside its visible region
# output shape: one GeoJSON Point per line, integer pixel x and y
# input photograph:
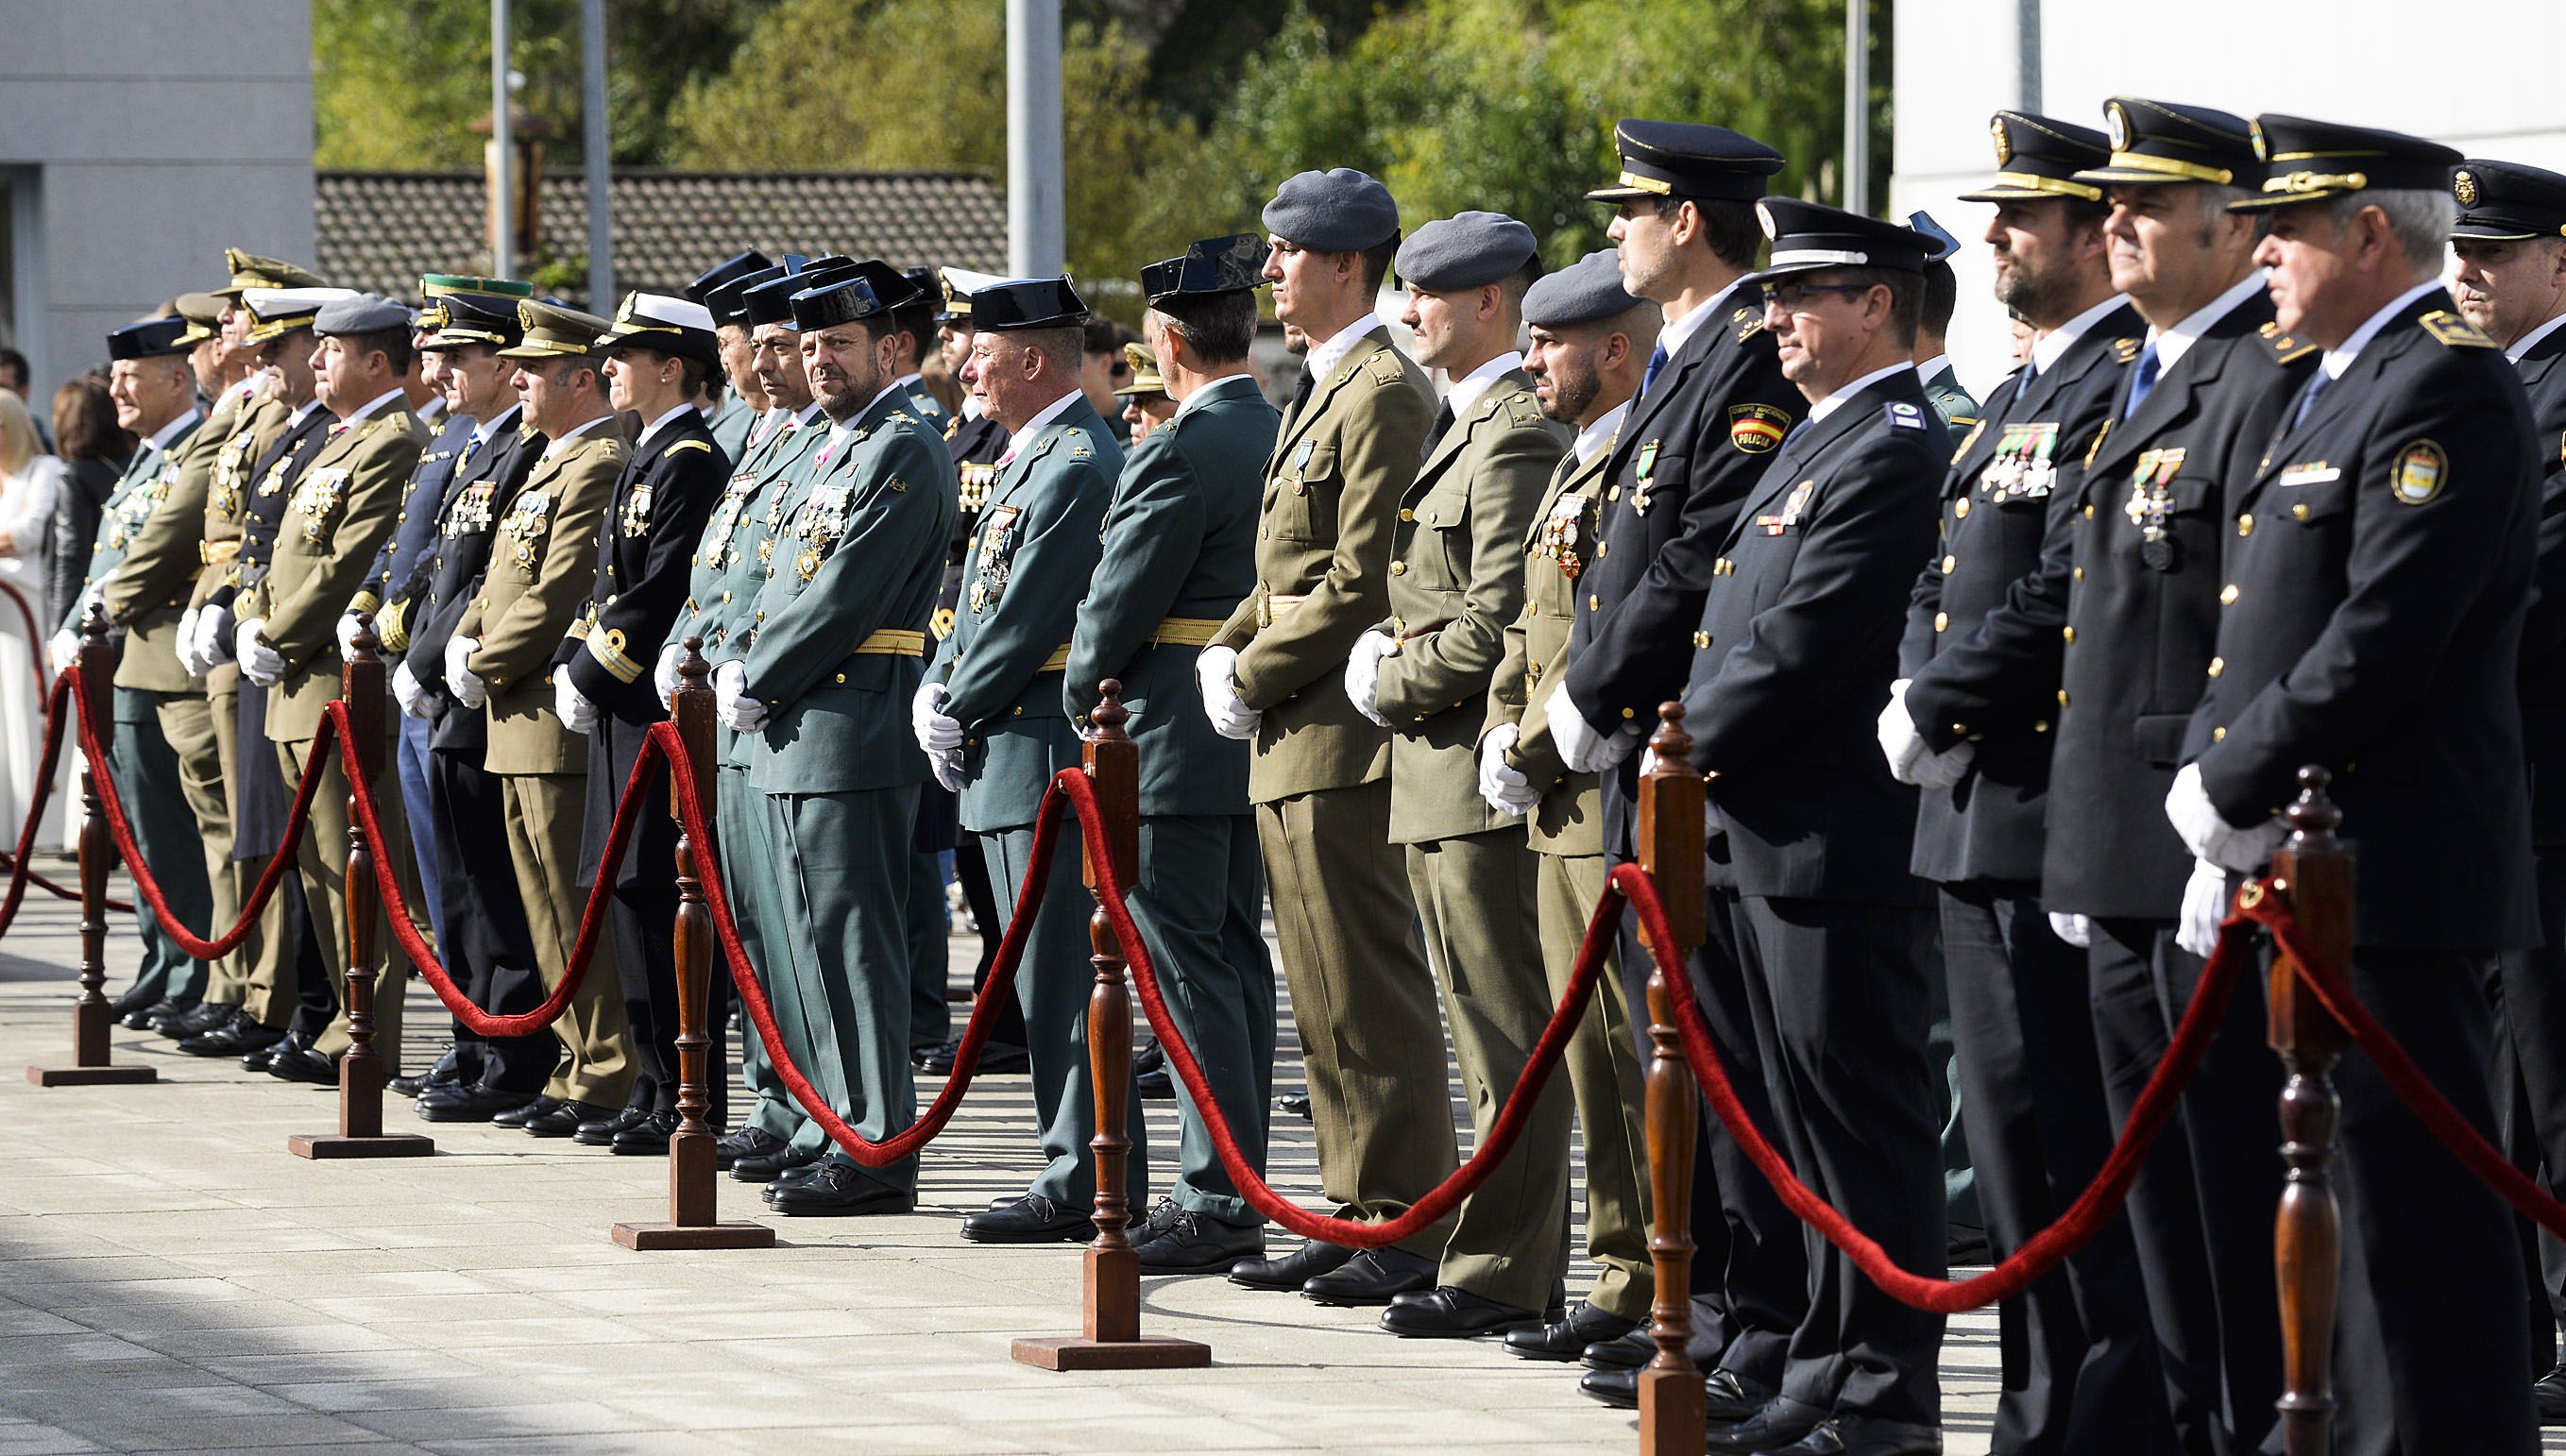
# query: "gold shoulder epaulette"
{"type": "Point", "coordinates": [1752, 325]}
{"type": "Point", "coordinates": [2286, 346]}
{"type": "Point", "coordinates": [2453, 331]}
{"type": "Point", "coordinates": [1385, 368]}
{"type": "Point", "coordinates": [1524, 408]}
{"type": "Point", "coordinates": [706, 445]}
{"type": "Point", "coordinates": [2126, 350]}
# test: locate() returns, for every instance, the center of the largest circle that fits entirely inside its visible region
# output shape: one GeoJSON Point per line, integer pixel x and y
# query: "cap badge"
{"type": "Point", "coordinates": [2005, 144]}
{"type": "Point", "coordinates": [2115, 125]}
{"type": "Point", "coordinates": [2464, 186]}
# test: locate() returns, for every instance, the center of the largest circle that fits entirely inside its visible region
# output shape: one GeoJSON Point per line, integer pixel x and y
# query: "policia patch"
{"type": "Point", "coordinates": [2420, 468]}
{"type": "Point", "coordinates": [1756, 428]}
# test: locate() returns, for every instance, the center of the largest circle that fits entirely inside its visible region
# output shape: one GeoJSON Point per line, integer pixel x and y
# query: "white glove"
{"type": "Point", "coordinates": [2204, 908]}
{"type": "Point", "coordinates": [462, 681]}
{"type": "Point", "coordinates": [1216, 674]}
{"type": "Point", "coordinates": [349, 625]}
{"type": "Point", "coordinates": [935, 732]}
{"type": "Point", "coordinates": [213, 636]}
{"type": "Point", "coordinates": [64, 648]}
{"type": "Point", "coordinates": [1900, 743]}
{"type": "Point", "coordinates": [1363, 674]}
{"type": "Point", "coordinates": [2076, 930]}
{"type": "Point", "coordinates": [947, 768]}
{"type": "Point", "coordinates": [1942, 769]}
{"type": "Point", "coordinates": [260, 663]}
{"type": "Point", "coordinates": [1581, 747]}
{"type": "Point", "coordinates": [2211, 836]}
{"type": "Point", "coordinates": [664, 676]}
{"type": "Point", "coordinates": [1505, 788]}
{"type": "Point", "coordinates": [411, 694]}
{"type": "Point", "coordinates": [187, 646]}
{"type": "Point", "coordinates": [577, 712]}
{"type": "Point", "coordinates": [739, 711]}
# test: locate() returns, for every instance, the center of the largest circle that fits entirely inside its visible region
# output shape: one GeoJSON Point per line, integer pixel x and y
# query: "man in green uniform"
{"type": "Point", "coordinates": [1455, 582]}
{"type": "Point", "coordinates": [1361, 994]}
{"type": "Point", "coordinates": [993, 718]}
{"type": "Point", "coordinates": [740, 406]}
{"type": "Point", "coordinates": [1180, 555]}
{"type": "Point", "coordinates": [813, 683]}
{"type": "Point", "coordinates": [1590, 340]}
{"type": "Point", "coordinates": [1957, 407]}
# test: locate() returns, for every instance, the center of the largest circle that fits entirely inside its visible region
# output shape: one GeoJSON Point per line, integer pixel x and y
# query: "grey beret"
{"type": "Point", "coordinates": [364, 313]}
{"type": "Point", "coordinates": [1339, 210]}
{"type": "Point", "coordinates": [1587, 291]}
{"type": "Point", "coordinates": [1466, 250]}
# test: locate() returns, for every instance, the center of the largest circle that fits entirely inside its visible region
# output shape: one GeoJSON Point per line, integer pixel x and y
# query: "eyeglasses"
{"type": "Point", "coordinates": [1788, 297]}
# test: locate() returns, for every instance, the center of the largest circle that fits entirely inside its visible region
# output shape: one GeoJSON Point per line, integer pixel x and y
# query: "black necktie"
{"type": "Point", "coordinates": [1434, 436]}
{"type": "Point", "coordinates": [1301, 389]}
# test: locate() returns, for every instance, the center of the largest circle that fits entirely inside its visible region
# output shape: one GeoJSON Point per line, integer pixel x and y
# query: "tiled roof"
{"type": "Point", "coordinates": [379, 231]}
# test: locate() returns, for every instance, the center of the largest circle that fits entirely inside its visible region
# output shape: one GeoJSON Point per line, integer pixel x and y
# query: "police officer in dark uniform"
{"type": "Point", "coordinates": [2371, 625]}
{"type": "Point", "coordinates": [1797, 638]}
{"type": "Point", "coordinates": [2510, 240]}
{"type": "Point", "coordinates": [1711, 409]}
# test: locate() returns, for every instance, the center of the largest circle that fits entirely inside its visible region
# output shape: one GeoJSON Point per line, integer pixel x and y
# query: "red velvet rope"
{"type": "Point", "coordinates": [592, 917]}
{"type": "Point", "coordinates": [278, 863]}
{"type": "Point", "coordinates": [35, 635]}
{"type": "Point", "coordinates": [21, 872]}
{"type": "Point", "coordinates": [995, 992]}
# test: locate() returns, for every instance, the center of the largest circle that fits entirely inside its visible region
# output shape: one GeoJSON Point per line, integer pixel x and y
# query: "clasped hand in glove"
{"type": "Point", "coordinates": [2204, 909]}
{"type": "Point", "coordinates": [733, 704]}
{"type": "Point", "coordinates": [1216, 674]}
{"type": "Point", "coordinates": [577, 712]}
{"type": "Point", "coordinates": [1363, 674]}
{"type": "Point", "coordinates": [935, 732]}
{"type": "Point", "coordinates": [411, 694]}
{"type": "Point", "coordinates": [350, 623]}
{"type": "Point", "coordinates": [664, 676]}
{"type": "Point", "coordinates": [259, 662]}
{"type": "Point", "coordinates": [461, 680]}
{"type": "Point", "coordinates": [1909, 760]}
{"type": "Point", "coordinates": [2210, 836]}
{"type": "Point", "coordinates": [1504, 786]}
{"type": "Point", "coordinates": [1581, 747]}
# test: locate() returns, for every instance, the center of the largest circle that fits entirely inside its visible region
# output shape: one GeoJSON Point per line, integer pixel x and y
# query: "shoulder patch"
{"type": "Point", "coordinates": [2421, 469]}
{"type": "Point", "coordinates": [1968, 439]}
{"type": "Point", "coordinates": [683, 445]}
{"type": "Point", "coordinates": [1749, 323]}
{"type": "Point", "coordinates": [2284, 347]}
{"type": "Point", "coordinates": [2126, 350]}
{"type": "Point", "coordinates": [1384, 368]}
{"type": "Point", "coordinates": [1902, 415]}
{"type": "Point", "coordinates": [1756, 428]}
{"type": "Point", "coordinates": [2452, 330]}
{"type": "Point", "coordinates": [1524, 408]}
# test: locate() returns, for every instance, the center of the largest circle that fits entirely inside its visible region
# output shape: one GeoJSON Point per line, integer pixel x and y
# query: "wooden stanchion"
{"type": "Point", "coordinates": [91, 1061]}
{"type": "Point", "coordinates": [1112, 1339]}
{"type": "Point", "coordinates": [2314, 871]}
{"type": "Point", "coordinates": [361, 1072]}
{"type": "Point", "coordinates": [695, 1214]}
{"type": "Point", "coordinates": [1671, 855]}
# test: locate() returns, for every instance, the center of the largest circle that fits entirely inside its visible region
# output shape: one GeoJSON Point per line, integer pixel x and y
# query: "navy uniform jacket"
{"type": "Point", "coordinates": [400, 564]}
{"type": "Point", "coordinates": [1798, 643]}
{"type": "Point", "coordinates": [1681, 466]}
{"type": "Point", "coordinates": [271, 483]}
{"type": "Point", "coordinates": [2013, 484]}
{"type": "Point", "coordinates": [645, 546]}
{"type": "Point", "coordinates": [2372, 625]}
{"type": "Point", "coordinates": [464, 533]}
{"type": "Point", "coordinates": [2543, 637]}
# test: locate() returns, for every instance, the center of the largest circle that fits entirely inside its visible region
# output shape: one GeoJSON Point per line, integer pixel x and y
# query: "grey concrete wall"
{"type": "Point", "coordinates": [157, 132]}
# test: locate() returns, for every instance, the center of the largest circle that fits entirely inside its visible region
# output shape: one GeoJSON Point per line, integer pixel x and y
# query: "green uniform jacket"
{"type": "Point", "coordinates": [727, 567]}
{"type": "Point", "coordinates": [1569, 819]}
{"type": "Point", "coordinates": [340, 511]}
{"type": "Point", "coordinates": [1332, 492]}
{"type": "Point", "coordinates": [858, 553]}
{"type": "Point", "coordinates": [1028, 566]}
{"type": "Point", "coordinates": [1455, 581]}
{"type": "Point", "coordinates": [149, 591]}
{"type": "Point", "coordinates": [541, 568]}
{"type": "Point", "coordinates": [1179, 543]}
{"type": "Point", "coordinates": [730, 425]}
{"type": "Point", "coordinates": [1959, 408]}
{"type": "Point", "coordinates": [149, 478]}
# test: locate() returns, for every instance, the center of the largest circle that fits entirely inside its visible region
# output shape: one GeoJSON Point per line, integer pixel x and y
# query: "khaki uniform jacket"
{"type": "Point", "coordinates": [543, 564]}
{"type": "Point", "coordinates": [341, 509]}
{"type": "Point", "coordinates": [1455, 581]}
{"type": "Point", "coordinates": [1569, 819]}
{"type": "Point", "coordinates": [255, 431]}
{"type": "Point", "coordinates": [1323, 546]}
{"type": "Point", "coordinates": [151, 590]}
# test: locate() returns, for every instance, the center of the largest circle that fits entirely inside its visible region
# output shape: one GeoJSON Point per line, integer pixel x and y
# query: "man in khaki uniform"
{"type": "Point", "coordinates": [287, 642]}
{"type": "Point", "coordinates": [1361, 991]}
{"type": "Point", "coordinates": [542, 567]}
{"type": "Point", "coordinates": [1590, 340]}
{"type": "Point", "coordinates": [1455, 581]}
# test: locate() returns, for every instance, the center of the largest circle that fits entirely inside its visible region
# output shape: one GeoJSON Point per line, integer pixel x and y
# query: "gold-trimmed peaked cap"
{"type": "Point", "coordinates": [2039, 156]}
{"type": "Point", "coordinates": [959, 285]}
{"type": "Point", "coordinates": [433, 286]}
{"type": "Point", "coordinates": [461, 320]}
{"type": "Point", "coordinates": [276, 311]}
{"type": "Point", "coordinates": [2504, 202]}
{"type": "Point", "coordinates": [2310, 161]}
{"type": "Point", "coordinates": [1687, 160]}
{"type": "Point", "coordinates": [2158, 143]}
{"type": "Point", "coordinates": [679, 328]}
{"type": "Point", "coordinates": [204, 313]}
{"type": "Point", "coordinates": [1146, 378]}
{"type": "Point", "coordinates": [555, 330]}
{"type": "Point", "coordinates": [249, 270]}
{"type": "Point", "coordinates": [1810, 236]}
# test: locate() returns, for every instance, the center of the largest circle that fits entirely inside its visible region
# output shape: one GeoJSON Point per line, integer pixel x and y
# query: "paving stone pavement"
{"type": "Point", "coordinates": [171, 1278]}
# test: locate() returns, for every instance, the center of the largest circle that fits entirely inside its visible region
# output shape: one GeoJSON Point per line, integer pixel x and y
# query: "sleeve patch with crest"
{"type": "Point", "coordinates": [1756, 428]}
{"type": "Point", "coordinates": [2421, 469]}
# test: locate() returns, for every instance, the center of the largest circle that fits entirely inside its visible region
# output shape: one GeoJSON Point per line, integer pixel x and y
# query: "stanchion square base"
{"type": "Point", "coordinates": [1077, 1353]}
{"type": "Point", "coordinates": [645, 1237]}
{"type": "Point", "coordinates": [332, 1145]}
{"type": "Point", "coordinates": [90, 1076]}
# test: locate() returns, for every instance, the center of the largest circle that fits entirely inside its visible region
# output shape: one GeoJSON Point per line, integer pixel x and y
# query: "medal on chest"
{"type": "Point", "coordinates": [2021, 469]}
{"type": "Point", "coordinates": [318, 498]}
{"type": "Point", "coordinates": [976, 480]}
{"type": "Point", "coordinates": [527, 518]}
{"type": "Point", "coordinates": [1561, 534]}
{"type": "Point", "coordinates": [637, 510]}
{"type": "Point", "coordinates": [471, 514]}
{"type": "Point", "coordinates": [2151, 506]}
{"type": "Point", "coordinates": [997, 556]}
{"type": "Point", "coordinates": [1644, 475]}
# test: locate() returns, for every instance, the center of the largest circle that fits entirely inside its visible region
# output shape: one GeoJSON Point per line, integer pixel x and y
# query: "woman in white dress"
{"type": "Point", "coordinates": [31, 481]}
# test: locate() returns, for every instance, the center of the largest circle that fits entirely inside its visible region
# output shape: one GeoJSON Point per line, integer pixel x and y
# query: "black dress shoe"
{"type": "Point", "coordinates": [565, 1119]}
{"type": "Point", "coordinates": [1293, 1269]}
{"type": "Point", "coordinates": [132, 999]}
{"type": "Point", "coordinates": [647, 1137]}
{"type": "Point", "coordinates": [1031, 1219]}
{"type": "Point", "coordinates": [2548, 1395]}
{"type": "Point", "coordinates": [457, 1104]}
{"type": "Point", "coordinates": [1625, 1351]}
{"type": "Point", "coordinates": [1454, 1313]}
{"type": "Point", "coordinates": [838, 1188]}
{"type": "Point", "coordinates": [448, 1070]}
{"type": "Point", "coordinates": [1862, 1435]}
{"type": "Point", "coordinates": [1370, 1278]}
{"type": "Point", "coordinates": [258, 1060]}
{"type": "Point", "coordinates": [236, 1038]}
{"type": "Point", "coordinates": [1618, 1387]}
{"type": "Point", "coordinates": [180, 1019]}
{"type": "Point", "coordinates": [1190, 1242]}
{"type": "Point", "coordinates": [1780, 1423]}
{"type": "Point", "coordinates": [1002, 1057]}
{"type": "Point", "coordinates": [1296, 1104]}
{"type": "Point", "coordinates": [301, 1063]}
{"type": "Point", "coordinates": [742, 1142]}
{"type": "Point", "coordinates": [534, 1107]}
{"type": "Point", "coordinates": [599, 1131]}
{"type": "Point", "coordinates": [766, 1167]}
{"type": "Point", "coordinates": [1150, 1071]}
{"type": "Point", "coordinates": [1567, 1338]}
{"type": "Point", "coordinates": [1966, 1245]}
